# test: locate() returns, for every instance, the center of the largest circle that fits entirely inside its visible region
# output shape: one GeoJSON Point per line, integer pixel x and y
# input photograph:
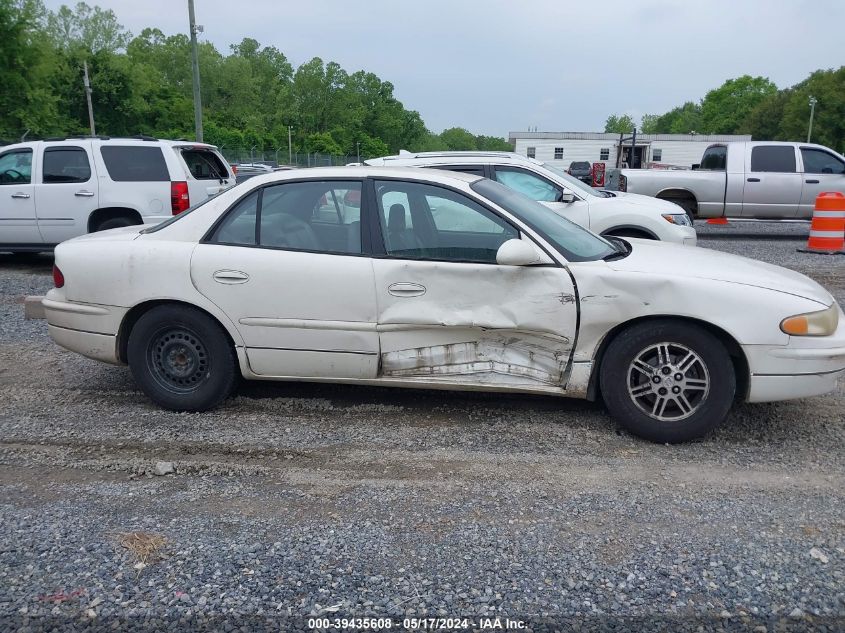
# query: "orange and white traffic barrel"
{"type": "Point", "coordinates": [827, 230]}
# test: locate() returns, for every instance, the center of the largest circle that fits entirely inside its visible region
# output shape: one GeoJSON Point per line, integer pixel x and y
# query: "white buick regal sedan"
{"type": "Point", "coordinates": [438, 280]}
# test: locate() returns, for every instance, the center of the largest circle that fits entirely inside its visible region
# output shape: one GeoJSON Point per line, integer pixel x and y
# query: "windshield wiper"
{"type": "Point", "coordinates": [620, 249]}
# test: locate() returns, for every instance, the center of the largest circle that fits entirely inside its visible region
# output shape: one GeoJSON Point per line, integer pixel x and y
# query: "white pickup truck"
{"type": "Point", "coordinates": [767, 180]}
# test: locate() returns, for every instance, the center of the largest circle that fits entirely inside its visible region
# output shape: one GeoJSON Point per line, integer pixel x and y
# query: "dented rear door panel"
{"type": "Point", "coordinates": [505, 327]}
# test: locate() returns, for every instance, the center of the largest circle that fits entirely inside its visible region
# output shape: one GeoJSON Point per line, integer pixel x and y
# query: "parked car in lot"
{"type": "Point", "coordinates": [764, 180]}
{"type": "Point", "coordinates": [606, 213]}
{"type": "Point", "coordinates": [54, 190]}
{"type": "Point", "coordinates": [492, 293]}
{"type": "Point", "coordinates": [582, 170]}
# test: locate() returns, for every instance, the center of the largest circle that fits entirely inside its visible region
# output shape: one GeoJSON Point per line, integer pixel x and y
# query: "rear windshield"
{"type": "Point", "coordinates": [133, 163]}
{"type": "Point", "coordinates": [204, 164]}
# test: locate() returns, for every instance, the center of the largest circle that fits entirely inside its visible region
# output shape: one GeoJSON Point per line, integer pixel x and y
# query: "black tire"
{"type": "Point", "coordinates": [182, 359]}
{"type": "Point", "coordinates": [113, 223]}
{"type": "Point", "coordinates": [625, 388]}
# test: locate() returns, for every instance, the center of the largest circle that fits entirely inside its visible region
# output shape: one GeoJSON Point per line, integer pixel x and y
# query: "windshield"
{"type": "Point", "coordinates": [573, 183]}
{"type": "Point", "coordinates": [575, 243]}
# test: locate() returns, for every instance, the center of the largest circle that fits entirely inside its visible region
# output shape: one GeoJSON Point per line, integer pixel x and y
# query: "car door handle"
{"type": "Point", "coordinates": [84, 194]}
{"type": "Point", "coordinates": [812, 182]}
{"type": "Point", "coordinates": [230, 277]}
{"type": "Point", "coordinates": [405, 289]}
{"type": "Point", "coordinates": [20, 195]}
{"type": "Point", "coordinates": [753, 180]}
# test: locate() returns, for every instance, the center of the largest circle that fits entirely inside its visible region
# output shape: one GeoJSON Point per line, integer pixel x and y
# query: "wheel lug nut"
{"type": "Point", "coordinates": [662, 391]}
{"type": "Point", "coordinates": [679, 376]}
{"type": "Point", "coordinates": [656, 380]}
{"type": "Point", "coordinates": [676, 390]}
{"type": "Point", "coordinates": [667, 371]}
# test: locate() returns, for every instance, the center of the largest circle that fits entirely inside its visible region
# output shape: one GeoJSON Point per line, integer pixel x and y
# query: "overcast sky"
{"type": "Point", "coordinates": [494, 66]}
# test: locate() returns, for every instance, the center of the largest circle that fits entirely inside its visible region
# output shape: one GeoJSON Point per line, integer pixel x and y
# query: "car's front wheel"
{"type": "Point", "coordinates": [667, 381]}
{"type": "Point", "coordinates": [182, 359]}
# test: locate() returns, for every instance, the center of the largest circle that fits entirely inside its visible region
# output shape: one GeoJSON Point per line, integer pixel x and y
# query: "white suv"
{"type": "Point", "coordinates": [603, 212]}
{"type": "Point", "coordinates": [53, 190]}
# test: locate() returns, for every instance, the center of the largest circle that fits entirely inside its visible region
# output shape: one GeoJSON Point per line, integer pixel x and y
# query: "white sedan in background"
{"type": "Point", "coordinates": [442, 280]}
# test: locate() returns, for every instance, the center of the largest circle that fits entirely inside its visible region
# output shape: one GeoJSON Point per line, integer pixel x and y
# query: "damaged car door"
{"type": "Point", "coordinates": [448, 313]}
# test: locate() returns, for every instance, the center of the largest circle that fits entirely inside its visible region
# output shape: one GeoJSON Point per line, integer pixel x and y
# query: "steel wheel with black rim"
{"type": "Point", "coordinates": [182, 359]}
{"type": "Point", "coordinates": [667, 381]}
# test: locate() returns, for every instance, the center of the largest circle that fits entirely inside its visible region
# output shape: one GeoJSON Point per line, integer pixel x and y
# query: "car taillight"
{"type": "Point", "coordinates": [58, 277]}
{"type": "Point", "coordinates": [179, 198]}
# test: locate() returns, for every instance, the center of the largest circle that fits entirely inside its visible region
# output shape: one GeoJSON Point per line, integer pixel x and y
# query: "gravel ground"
{"type": "Point", "coordinates": [300, 500]}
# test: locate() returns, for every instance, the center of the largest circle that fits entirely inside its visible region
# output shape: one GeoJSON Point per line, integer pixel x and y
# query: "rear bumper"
{"type": "Point", "coordinates": [102, 347]}
{"type": "Point", "coordinates": [84, 328]}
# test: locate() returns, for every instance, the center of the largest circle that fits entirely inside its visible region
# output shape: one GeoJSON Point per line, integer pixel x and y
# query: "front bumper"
{"type": "Point", "coordinates": [806, 366]}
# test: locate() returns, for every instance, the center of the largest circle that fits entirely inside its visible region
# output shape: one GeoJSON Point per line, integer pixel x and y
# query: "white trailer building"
{"type": "Point", "coordinates": [650, 150]}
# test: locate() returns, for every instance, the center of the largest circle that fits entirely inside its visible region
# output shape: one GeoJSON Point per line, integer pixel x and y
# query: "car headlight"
{"type": "Point", "coordinates": [681, 219]}
{"type": "Point", "coordinates": [821, 323]}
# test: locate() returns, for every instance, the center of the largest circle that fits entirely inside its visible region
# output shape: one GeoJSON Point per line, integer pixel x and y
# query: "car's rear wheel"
{"type": "Point", "coordinates": [182, 359]}
{"type": "Point", "coordinates": [113, 223]}
{"type": "Point", "coordinates": [667, 381]}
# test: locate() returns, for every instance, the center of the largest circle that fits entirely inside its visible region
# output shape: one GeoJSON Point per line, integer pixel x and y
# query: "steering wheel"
{"type": "Point", "coordinates": [13, 178]}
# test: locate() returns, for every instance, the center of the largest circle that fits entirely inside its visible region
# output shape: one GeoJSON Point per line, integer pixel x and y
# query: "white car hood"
{"type": "Point", "coordinates": [664, 259]}
{"type": "Point", "coordinates": [637, 203]}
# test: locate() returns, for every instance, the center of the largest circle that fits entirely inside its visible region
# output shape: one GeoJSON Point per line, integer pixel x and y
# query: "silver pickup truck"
{"type": "Point", "coordinates": [766, 180]}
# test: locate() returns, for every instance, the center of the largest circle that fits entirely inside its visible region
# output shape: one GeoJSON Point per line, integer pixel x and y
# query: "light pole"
{"type": "Point", "coordinates": [290, 151]}
{"type": "Point", "coordinates": [195, 66]}
{"type": "Point", "coordinates": [358, 150]}
{"type": "Point", "coordinates": [813, 102]}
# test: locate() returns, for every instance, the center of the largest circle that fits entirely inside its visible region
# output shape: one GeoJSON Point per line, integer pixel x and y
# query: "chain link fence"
{"type": "Point", "coordinates": [280, 157]}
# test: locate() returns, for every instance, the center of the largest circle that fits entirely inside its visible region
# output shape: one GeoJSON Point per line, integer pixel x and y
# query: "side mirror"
{"type": "Point", "coordinates": [518, 252]}
{"type": "Point", "coordinates": [566, 197]}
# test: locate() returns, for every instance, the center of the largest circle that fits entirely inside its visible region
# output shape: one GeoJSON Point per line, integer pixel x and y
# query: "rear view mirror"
{"type": "Point", "coordinates": [518, 252]}
{"type": "Point", "coordinates": [566, 197]}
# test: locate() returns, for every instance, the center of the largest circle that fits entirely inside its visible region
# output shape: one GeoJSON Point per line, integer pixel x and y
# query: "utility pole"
{"type": "Point", "coordinates": [813, 102]}
{"type": "Point", "coordinates": [195, 64]}
{"type": "Point", "coordinates": [87, 85]}
{"type": "Point", "coordinates": [290, 147]}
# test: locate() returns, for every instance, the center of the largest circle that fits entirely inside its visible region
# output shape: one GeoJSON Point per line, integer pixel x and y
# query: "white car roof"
{"type": "Point", "coordinates": [365, 171]}
{"type": "Point", "coordinates": [451, 158]}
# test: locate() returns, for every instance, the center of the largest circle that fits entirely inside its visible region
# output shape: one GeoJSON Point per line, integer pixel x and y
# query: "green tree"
{"type": "Point", "coordinates": [685, 119]}
{"type": "Point", "coordinates": [621, 124]}
{"type": "Point", "coordinates": [457, 138]}
{"type": "Point", "coordinates": [492, 144]}
{"type": "Point", "coordinates": [92, 28]}
{"type": "Point", "coordinates": [724, 109]}
{"type": "Point", "coordinates": [764, 122]}
{"type": "Point", "coordinates": [828, 87]}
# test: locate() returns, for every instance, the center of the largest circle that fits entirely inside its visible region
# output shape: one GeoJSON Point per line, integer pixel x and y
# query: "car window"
{"type": "Point", "coordinates": [773, 158]}
{"type": "Point", "coordinates": [238, 227]}
{"type": "Point", "coordinates": [574, 242]}
{"type": "Point", "coordinates": [339, 206]}
{"type": "Point", "coordinates": [715, 158]}
{"type": "Point", "coordinates": [818, 161]}
{"type": "Point", "coordinates": [66, 164]}
{"type": "Point", "coordinates": [135, 163]}
{"type": "Point", "coordinates": [311, 216]}
{"type": "Point", "coordinates": [527, 184]}
{"type": "Point", "coordinates": [204, 164]}
{"type": "Point", "coordinates": [16, 167]}
{"type": "Point", "coordinates": [421, 221]}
